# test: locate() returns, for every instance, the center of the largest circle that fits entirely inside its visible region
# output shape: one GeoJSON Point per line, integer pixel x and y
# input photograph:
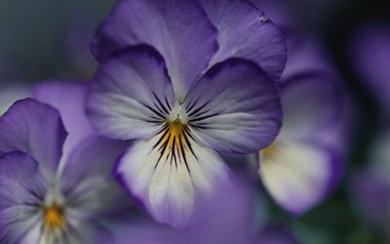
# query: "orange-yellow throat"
{"type": "Point", "coordinates": [53, 218]}
{"type": "Point", "coordinates": [269, 152]}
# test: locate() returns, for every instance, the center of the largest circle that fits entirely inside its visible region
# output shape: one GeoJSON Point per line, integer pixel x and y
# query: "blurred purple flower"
{"type": "Point", "coordinates": [370, 187]}
{"type": "Point", "coordinates": [48, 196]}
{"type": "Point", "coordinates": [181, 83]}
{"type": "Point", "coordinates": [370, 55]}
{"type": "Point", "coordinates": [230, 218]}
{"type": "Point", "coordinates": [303, 164]}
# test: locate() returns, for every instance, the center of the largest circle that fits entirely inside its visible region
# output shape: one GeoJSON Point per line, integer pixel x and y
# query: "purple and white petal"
{"type": "Point", "coordinates": [69, 99]}
{"type": "Point", "coordinates": [179, 30]}
{"type": "Point", "coordinates": [34, 128]}
{"type": "Point", "coordinates": [245, 32]}
{"type": "Point", "coordinates": [22, 189]}
{"type": "Point", "coordinates": [131, 94]}
{"type": "Point", "coordinates": [235, 107]}
{"type": "Point", "coordinates": [298, 175]}
{"type": "Point", "coordinates": [174, 178]}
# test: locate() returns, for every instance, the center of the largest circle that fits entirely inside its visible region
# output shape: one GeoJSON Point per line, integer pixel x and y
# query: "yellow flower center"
{"type": "Point", "coordinates": [176, 127]}
{"type": "Point", "coordinates": [173, 136]}
{"type": "Point", "coordinates": [174, 142]}
{"type": "Point", "coordinates": [269, 152]}
{"type": "Point", "coordinates": [53, 218]}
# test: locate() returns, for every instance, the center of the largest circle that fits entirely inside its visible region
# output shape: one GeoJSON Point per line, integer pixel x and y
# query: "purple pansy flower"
{"type": "Point", "coordinates": [183, 79]}
{"type": "Point", "coordinates": [302, 165]}
{"type": "Point", "coordinates": [48, 196]}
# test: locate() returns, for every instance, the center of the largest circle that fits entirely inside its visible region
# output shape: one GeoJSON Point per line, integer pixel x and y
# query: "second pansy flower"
{"type": "Point", "coordinates": [182, 88]}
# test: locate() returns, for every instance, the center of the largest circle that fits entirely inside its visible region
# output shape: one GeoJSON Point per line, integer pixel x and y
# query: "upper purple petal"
{"type": "Point", "coordinates": [34, 128]}
{"type": "Point", "coordinates": [237, 107]}
{"type": "Point", "coordinates": [311, 101]}
{"type": "Point", "coordinates": [179, 30]}
{"type": "Point", "coordinates": [245, 32]}
{"type": "Point", "coordinates": [69, 99]}
{"type": "Point", "coordinates": [131, 91]}
{"type": "Point", "coordinates": [305, 55]}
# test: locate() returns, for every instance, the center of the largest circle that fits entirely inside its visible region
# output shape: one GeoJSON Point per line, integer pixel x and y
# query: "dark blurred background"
{"type": "Point", "coordinates": [46, 39]}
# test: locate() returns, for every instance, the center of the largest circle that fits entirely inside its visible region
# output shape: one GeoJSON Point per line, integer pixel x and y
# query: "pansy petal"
{"type": "Point", "coordinates": [18, 224]}
{"type": "Point", "coordinates": [94, 156]}
{"type": "Point", "coordinates": [22, 188]}
{"type": "Point", "coordinates": [245, 32]}
{"type": "Point", "coordinates": [320, 108]}
{"type": "Point", "coordinates": [179, 30]}
{"type": "Point", "coordinates": [172, 178]}
{"type": "Point", "coordinates": [130, 95]}
{"type": "Point", "coordinates": [87, 176]}
{"type": "Point", "coordinates": [235, 107]}
{"type": "Point", "coordinates": [69, 99]}
{"type": "Point", "coordinates": [297, 175]}
{"type": "Point", "coordinates": [34, 128]}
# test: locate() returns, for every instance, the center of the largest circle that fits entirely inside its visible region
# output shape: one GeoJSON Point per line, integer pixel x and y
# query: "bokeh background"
{"type": "Point", "coordinates": [46, 39]}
